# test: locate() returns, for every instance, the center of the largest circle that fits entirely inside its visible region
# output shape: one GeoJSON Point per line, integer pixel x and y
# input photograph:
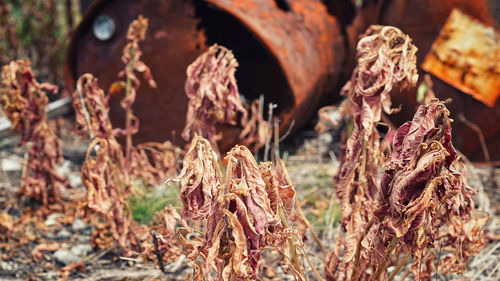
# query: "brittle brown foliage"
{"type": "Point", "coordinates": [256, 129]}
{"type": "Point", "coordinates": [213, 94]}
{"type": "Point", "coordinates": [104, 175]}
{"type": "Point", "coordinates": [109, 175]}
{"type": "Point", "coordinates": [423, 197]}
{"type": "Point", "coordinates": [131, 58]}
{"type": "Point", "coordinates": [245, 212]}
{"type": "Point", "coordinates": [386, 58]}
{"type": "Point", "coordinates": [200, 179]}
{"type": "Point", "coordinates": [24, 100]}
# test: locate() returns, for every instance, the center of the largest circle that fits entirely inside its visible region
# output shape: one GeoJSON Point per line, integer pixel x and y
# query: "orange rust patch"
{"type": "Point", "coordinates": [466, 55]}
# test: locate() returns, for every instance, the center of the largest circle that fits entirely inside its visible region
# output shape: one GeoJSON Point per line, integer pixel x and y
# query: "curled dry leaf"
{"type": "Point", "coordinates": [424, 199]}
{"type": "Point", "coordinates": [91, 108]}
{"type": "Point", "coordinates": [200, 179]}
{"type": "Point", "coordinates": [243, 178]}
{"type": "Point", "coordinates": [23, 100]}
{"type": "Point", "coordinates": [213, 94]}
{"type": "Point", "coordinates": [37, 252]}
{"type": "Point", "coordinates": [153, 162]}
{"type": "Point", "coordinates": [255, 128]}
{"type": "Point", "coordinates": [385, 58]}
{"type": "Point", "coordinates": [241, 212]}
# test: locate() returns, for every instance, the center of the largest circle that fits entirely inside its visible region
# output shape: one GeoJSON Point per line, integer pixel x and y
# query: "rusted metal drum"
{"type": "Point", "coordinates": [423, 20]}
{"type": "Point", "coordinates": [289, 51]}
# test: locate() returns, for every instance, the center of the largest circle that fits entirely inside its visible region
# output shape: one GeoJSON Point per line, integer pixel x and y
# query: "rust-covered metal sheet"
{"type": "Point", "coordinates": [466, 55]}
{"type": "Point", "coordinates": [289, 51]}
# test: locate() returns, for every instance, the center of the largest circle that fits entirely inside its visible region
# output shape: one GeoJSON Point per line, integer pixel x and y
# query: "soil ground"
{"type": "Point", "coordinates": [312, 166]}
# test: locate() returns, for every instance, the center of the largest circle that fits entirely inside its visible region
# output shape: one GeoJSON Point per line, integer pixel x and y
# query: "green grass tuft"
{"type": "Point", "coordinates": [144, 206]}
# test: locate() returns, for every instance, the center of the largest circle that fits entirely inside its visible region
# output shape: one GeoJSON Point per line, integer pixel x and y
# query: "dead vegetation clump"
{"type": "Point", "coordinates": [422, 199]}
{"type": "Point", "coordinates": [425, 198]}
{"type": "Point", "coordinates": [104, 175]}
{"type": "Point", "coordinates": [386, 58]}
{"type": "Point", "coordinates": [213, 94]}
{"type": "Point", "coordinates": [229, 219]}
{"type": "Point", "coordinates": [256, 130]}
{"type": "Point", "coordinates": [246, 212]}
{"type": "Point", "coordinates": [111, 170]}
{"type": "Point", "coordinates": [23, 100]}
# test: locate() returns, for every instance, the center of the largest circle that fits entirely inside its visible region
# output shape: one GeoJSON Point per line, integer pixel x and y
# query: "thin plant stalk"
{"type": "Point", "coordinates": [399, 267]}
{"type": "Point", "coordinates": [394, 243]}
{"type": "Point", "coordinates": [291, 243]}
{"type": "Point", "coordinates": [315, 271]}
{"type": "Point", "coordinates": [358, 247]}
{"type": "Point", "coordinates": [308, 224]}
{"type": "Point", "coordinates": [268, 140]}
{"type": "Point", "coordinates": [128, 113]}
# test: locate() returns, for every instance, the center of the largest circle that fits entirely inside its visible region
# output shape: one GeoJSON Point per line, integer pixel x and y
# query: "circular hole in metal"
{"type": "Point", "coordinates": [103, 27]}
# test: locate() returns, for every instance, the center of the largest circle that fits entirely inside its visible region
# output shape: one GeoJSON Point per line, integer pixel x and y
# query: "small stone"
{"type": "Point", "coordinates": [6, 266]}
{"type": "Point", "coordinates": [325, 138]}
{"type": "Point", "coordinates": [63, 234]}
{"type": "Point", "coordinates": [52, 219]}
{"type": "Point", "coordinates": [81, 250]}
{"type": "Point", "coordinates": [83, 238]}
{"type": "Point", "coordinates": [78, 225]}
{"type": "Point", "coordinates": [11, 165]}
{"type": "Point", "coordinates": [75, 180]}
{"type": "Point", "coordinates": [65, 257]}
{"type": "Point", "coordinates": [63, 169]}
{"type": "Point", "coordinates": [50, 235]}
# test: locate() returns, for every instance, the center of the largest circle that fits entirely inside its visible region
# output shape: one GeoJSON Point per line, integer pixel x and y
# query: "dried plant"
{"type": "Point", "coordinates": [23, 100]}
{"type": "Point", "coordinates": [108, 186]}
{"type": "Point", "coordinates": [255, 128]}
{"type": "Point", "coordinates": [163, 247]}
{"type": "Point", "coordinates": [246, 212]}
{"type": "Point", "coordinates": [109, 176]}
{"type": "Point", "coordinates": [386, 58]}
{"type": "Point", "coordinates": [153, 162]}
{"type": "Point", "coordinates": [425, 197]}
{"type": "Point", "coordinates": [131, 58]}
{"type": "Point", "coordinates": [213, 94]}
{"type": "Point", "coordinates": [200, 179]}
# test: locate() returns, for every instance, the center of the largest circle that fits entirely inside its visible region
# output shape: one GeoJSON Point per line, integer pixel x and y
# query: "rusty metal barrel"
{"type": "Point", "coordinates": [289, 51]}
{"type": "Point", "coordinates": [423, 20]}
